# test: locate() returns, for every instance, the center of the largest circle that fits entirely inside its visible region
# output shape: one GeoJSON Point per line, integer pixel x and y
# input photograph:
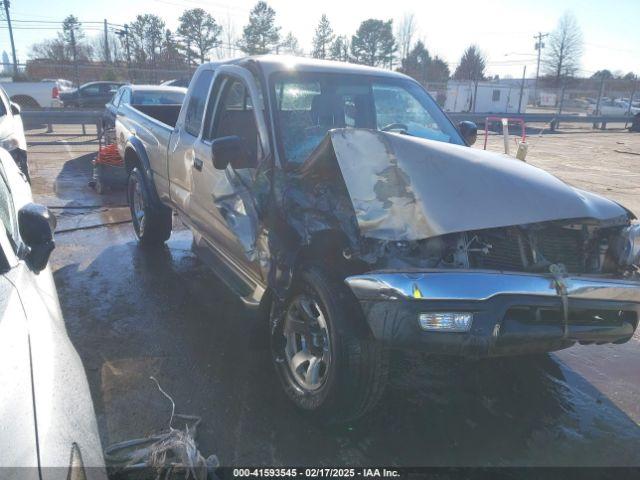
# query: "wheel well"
{"type": "Point", "coordinates": [131, 159]}
{"type": "Point", "coordinates": [25, 101]}
{"type": "Point", "coordinates": [325, 246]}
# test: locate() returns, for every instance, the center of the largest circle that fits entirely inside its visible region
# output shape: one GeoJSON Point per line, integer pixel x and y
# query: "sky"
{"type": "Point", "coordinates": [503, 29]}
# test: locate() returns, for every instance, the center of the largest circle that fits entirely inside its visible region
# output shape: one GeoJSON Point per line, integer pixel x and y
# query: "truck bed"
{"type": "Point", "coordinates": [167, 114]}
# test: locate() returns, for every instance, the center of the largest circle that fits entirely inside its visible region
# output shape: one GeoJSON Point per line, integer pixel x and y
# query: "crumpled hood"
{"type": "Point", "coordinates": [408, 188]}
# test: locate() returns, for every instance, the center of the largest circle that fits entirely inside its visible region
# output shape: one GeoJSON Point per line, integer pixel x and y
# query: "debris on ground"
{"type": "Point", "coordinates": [108, 169]}
{"type": "Point", "coordinates": [170, 455]}
{"type": "Point", "coordinates": [626, 151]}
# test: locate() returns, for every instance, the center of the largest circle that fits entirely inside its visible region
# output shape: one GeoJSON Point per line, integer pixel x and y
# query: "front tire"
{"type": "Point", "coordinates": [327, 365]}
{"type": "Point", "coordinates": [151, 222]}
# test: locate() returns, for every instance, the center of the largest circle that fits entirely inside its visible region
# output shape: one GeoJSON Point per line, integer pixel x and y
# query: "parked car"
{"type": "Point", "coordinates": [63, 84]}
{"type": "Point", "coordinates": [343, 203]}
{"type": "Point", "coordinates": [48, 418]}
{"type": "Point", "coordinates": [34, 94]}
{"type": "Point", "coordinates": [144, 97]}
{"type": "Point", "coordinates": [93, 94]}
{"type": "Point", "coordinates": [12, 137]}
{"type": "Point", "coordinates": [177, 82]}
{"type": "Point", "coordinates": [613, 107]}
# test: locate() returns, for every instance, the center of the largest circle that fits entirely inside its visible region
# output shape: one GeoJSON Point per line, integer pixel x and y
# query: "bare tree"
{"type": "Point", "coordinates": [564, 48]}
{"type": "Point", "coordinates": [114, 48]}
{"type": "Point", "coordinates": [404, 34]}
{"type": "Point", "coordinates": [228, 46]}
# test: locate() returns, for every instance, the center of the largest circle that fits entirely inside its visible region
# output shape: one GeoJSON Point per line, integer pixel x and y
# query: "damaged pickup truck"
{"type": "Point", "coordinates": [343, 203]}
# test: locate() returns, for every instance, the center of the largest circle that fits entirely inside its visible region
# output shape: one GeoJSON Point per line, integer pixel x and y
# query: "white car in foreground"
{"type": "Point", "coordinates": [12, 137]}
{"type": "Point", "coordinates": [49, 429]}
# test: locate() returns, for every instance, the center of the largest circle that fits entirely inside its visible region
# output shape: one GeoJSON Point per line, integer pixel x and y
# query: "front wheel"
{"type": "Point", "coordinates": [326, 364]}
{"type": "Point", "coordinates": [152, 223]}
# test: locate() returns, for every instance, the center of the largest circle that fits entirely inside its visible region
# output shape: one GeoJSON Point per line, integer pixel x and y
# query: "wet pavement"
{"type": "Point", "coordinates": [133, 313]}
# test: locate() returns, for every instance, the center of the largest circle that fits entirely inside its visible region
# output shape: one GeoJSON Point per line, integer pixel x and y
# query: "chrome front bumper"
{"type": "Point", "coordinates": [477, 285]}
{"type": "Point", "coordinates": [513, 313]}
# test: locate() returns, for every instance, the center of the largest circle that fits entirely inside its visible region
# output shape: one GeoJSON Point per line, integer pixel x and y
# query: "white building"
{"type": "Point", "coordinates": [491, 97]}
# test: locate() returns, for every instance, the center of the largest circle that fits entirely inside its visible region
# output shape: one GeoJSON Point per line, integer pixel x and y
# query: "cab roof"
{"type": "Point", "coordinates": [279, 63]}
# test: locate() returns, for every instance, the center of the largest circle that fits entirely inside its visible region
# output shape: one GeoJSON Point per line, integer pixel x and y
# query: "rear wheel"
{"type": "Point", "coordinates": [326, 368]}
{"type": "Point", "coordinates": [25, 101]}
{"type": "Point", "coordinates": [151, 222]}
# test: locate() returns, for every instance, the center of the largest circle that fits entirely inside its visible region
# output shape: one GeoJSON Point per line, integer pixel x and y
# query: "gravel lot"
{"type": "Point", "coordinates": [132, 314]}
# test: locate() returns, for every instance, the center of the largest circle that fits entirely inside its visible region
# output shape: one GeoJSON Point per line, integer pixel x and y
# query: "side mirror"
{"type": "Point", "coordinates": [230, 151]}
{"type": "Point", "coordinates": [469, 132]}
{"type": "Point", "coordinates": [36, 225]}
{"type": "Point", "coordinates": [15, 108]}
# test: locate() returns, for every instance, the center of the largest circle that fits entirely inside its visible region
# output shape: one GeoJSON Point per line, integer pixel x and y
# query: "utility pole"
{"type": "Point", "coordinates": [107, 55]}
{"type": "Point", "coordinates": [475, 92]}
{"type": "Point", "coordinates": [524, 73]}
{"type": "Point", "coordinates": [189, 55]}
{"type": "Point", "coordinates": [539, 46]}
{"type": "Point", "coordinates": [633, 92]}
{"type": "Point", "coordinates": [7, 4]}
{"type": "Point", "coordinates": [72, 32]}
{"type": "Point", "coordinates": [125, 33]}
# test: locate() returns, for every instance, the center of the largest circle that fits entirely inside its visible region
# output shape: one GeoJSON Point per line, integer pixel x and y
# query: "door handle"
{"type": "Point", "coordinates": [197, 164]}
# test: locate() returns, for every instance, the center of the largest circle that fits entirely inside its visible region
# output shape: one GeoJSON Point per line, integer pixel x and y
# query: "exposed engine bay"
{"type": "Point", "coordinates": [573, 247]}
{"type": "Point", "coordinates": [415, 204]}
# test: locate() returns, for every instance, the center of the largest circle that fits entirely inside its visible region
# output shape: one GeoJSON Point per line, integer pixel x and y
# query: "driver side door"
{"type": "Point", "coordinates": [223, 202]}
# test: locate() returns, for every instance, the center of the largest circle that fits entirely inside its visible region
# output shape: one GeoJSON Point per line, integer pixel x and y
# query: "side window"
{"type": "Point", "coordinates": [91, 90]}
{"type": "Point", "coordinates": [126, 97]}
{"type": "Point", "coordinates": [207, 131]}
{"type": "Point", "coordinates": [7, 212]}
{"type": "Point", "coordinates": [235, 116]}
{"type": "Point", "coordinates": [396, 105]}
{"type": "Point", "coordinates": [197, 102]}
{"type": "Point", "coordinates": [116, 98]}
{"type": "Point", "coordinates": [495, 97]}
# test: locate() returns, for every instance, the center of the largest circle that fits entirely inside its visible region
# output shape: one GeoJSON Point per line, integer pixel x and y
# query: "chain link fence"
{"type": "Point", "coordinates": [581, 96]}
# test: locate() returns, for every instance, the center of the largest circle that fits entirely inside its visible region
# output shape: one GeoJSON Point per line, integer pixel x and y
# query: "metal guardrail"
{"type": "Point", "coordinates": [51, 116]}
{"type": "Point", "coordinates": [63, 116]}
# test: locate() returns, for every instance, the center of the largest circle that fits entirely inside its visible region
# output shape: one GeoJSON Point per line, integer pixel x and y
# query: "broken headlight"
{"type": "Point", "coordinates": [626, 246]}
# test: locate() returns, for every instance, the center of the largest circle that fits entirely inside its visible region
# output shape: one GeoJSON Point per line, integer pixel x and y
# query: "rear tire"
{"type": "Point", "coordinates": [25, 101]}
{"type": "Point", "coordinates": [336, 372]}
{"type": "Point", "coordinates": [151, 221]}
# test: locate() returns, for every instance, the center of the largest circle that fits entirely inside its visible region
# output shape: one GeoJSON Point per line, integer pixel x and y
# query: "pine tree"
{"type": "Point", "coordinates": [472, 65]}
{"type": "Point", "coordinates": [322, 39]}
{"type": "Point", "coordinates": [260, 35]}
{"type": "Point", "coordinates": [374, 44]}
{"type": "Point", "coordinates": [340, 49]}
{"type": "Point", "coordinates": [200, 31]}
